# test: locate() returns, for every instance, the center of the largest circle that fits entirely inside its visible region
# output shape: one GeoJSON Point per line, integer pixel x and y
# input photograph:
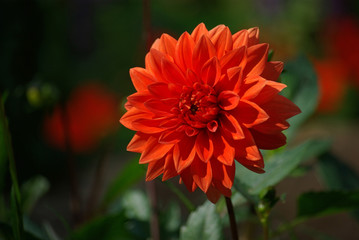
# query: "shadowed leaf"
{"type": "Point", "coordinates": [316, 204]}
{"type": "Point", "coordinates": [302, 89]}
{"type": "Point", "coordinates": [202, 224]}
{"type": "Point", "coordinates": [278, 166]}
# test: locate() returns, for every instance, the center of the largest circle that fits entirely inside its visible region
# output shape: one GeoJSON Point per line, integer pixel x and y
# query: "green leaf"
{"type": "Point", "coordinates": [16, 216]}
{"type": "Point", "coordinates": [316, 204]}
{"type": "Point", "coordinates": [302, 89]}
{"type": "Point", "coordinates": [172, 217]}
{"type": "Point", "coordinates": [336, 174]}
{"type": "Point", "coordinates": [34, 229]}
{"type": "Point", "coordinates": [202, 224]}
{"type": "Point", "coordinates": [15, 198]}
{"type": "Point", "coordinates": [6, 232]}
{"type": "Point", "coordinates": [110, 227]}
{"type": "Point", "coordinates": [277, 167]}
{"type": "Point", "coordinates": [3, 157]}
{"type": "Point", "coordinates": [136, 205]}
{"type": "Point", "coordinates": [32, 190]}
{"type": "Point", "coordinates": [3, 168]}
{"type": "Point", "coordinates": [190, 207]}
{"type": "Point", "coordinates": [129, 175]}
{"type": "Point", "coordinates": [270, 55]}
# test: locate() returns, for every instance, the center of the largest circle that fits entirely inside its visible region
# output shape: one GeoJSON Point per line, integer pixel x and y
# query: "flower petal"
{"type": "Point", "coordinates": [169, 168]}
{"type": "Point", "coordinates": [252, 87]}
{"type": "Point", "coordinates": [141, 78]}
{"type": "Point", "coordinates": [212, 126]}
{"type": "Point", "coordinates": [202, 52]}
{"type": "Point", "coordinates": [253, 36]}
{"type": "Point", "coordinates": [184, 50]}
{"type": "Point", "coordinates": [281, 107]}
{"type": "Point", "coordinates": [215, 31]}
{"type": "Point", "coordinates": [171, 136]}
{"type": "Point", "coordinates": [223, 173]}
{"type": "Point", "coordinates": [167, 44]}
{"type": "Point", "coordinates": [256, 59]}
{"type": "Point", "coordinates": [225, 191]}
{"type": "Point", "coordinates": [154, 150]}
{"type": "Point", "coordinates": [184, 153]}
{"type": "Point", "coordinates": [213, 194]}
{"type": "Point", "coordinates": [228, 100]}
{"type": "Point", "coordinates": [187, 178]}
{"type": "Point", "coordinates": [202, 174]}
{"type": "Point", "coordinates": [249, 113]}
{"type": "Point", "coordinates": [171, 73]}
{"type": "Point", "coordinates": [232, 81]}
{"type": "Point", "coordinates": [138, 143]}
{"type": "Point", "coordinates": [234, 58]}
{"type": "Point", "coordinates": [150, 125]}
{"type": "Point", "coordinates": [247, 150]}
{"type": "Point", "coordinates": [269, 141]}
{"type": "Point", "coordinates": [137, 99]}
{"type": "Point", "coordinates": [270, 90]}
{"type": "Point", "coordinates": [199, 31]}
{"type": "Point", "coordinates": [158, 107]}
{"type": "Point", "coordinates": [240, 39]}
{"type": "Point", "coordinates": [170, 123]}
{"type": "Point", "coordinates": [211, 71]}
{"type": "Point", "coordinates": [272, 126]}
{"type": "Point", "coordinates": [192, 76]}
{"type": "Point", "coordinates": [272, 70]}
{"type": "Point", "coordinates": [251, 166]}
{"type": "Point", "coordinates": [153, 63]}
{"type": "Point", "coordinates": [230, 124]}
{"type": "Point", "coordinates": [204, 146]}
{"type": "Point", "coordinates": [159, 89]}
{"type": "Point", "coordinates": [222, 151]}
{"type": "Point", "coordinates": [154, 169]}
{"type": "Point", "coordinates": [133, 114]}
{"type": "Point", "coordinates": [221, 38]}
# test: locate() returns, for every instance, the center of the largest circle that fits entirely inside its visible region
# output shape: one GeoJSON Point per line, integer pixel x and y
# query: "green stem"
{"type": "Point", "coordinates": [287, 226]}
{"type": "Point", "coordinates": [15, 191]}
{"type": "Point", "coordinates": [232, 218]}
{"type": "Point", "coordinates": [181, 196]}
{"type": "Point", "coordinates": [154, 222]}
{"type": "Point", "coordinates": [265, 229]}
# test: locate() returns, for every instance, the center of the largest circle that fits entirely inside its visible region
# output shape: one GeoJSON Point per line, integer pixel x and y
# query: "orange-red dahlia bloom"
{"type": "Point", "coordinates": [204, 100]}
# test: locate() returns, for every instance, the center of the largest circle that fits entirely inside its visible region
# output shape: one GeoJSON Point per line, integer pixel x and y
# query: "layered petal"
{"type": "Point", "coordinates": [202, 52]}
{"type": "Point", "coordinates": [141, 78]}
{"type": "Point", "coordinates": [154, 150]}
{"type": "Point", "coordinates": [184, 153]}
{"type": "Point", "coordinates": [202, 173]}
{"type": "Point", "coordinates": [221, 38]}
{"type": "Point", "coordinates": [256, 59]}
{"type": "Point", "coordinates": [184, 51]}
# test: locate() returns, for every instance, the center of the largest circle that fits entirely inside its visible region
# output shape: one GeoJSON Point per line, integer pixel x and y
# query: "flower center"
{"type": "Point", "coordinates": [198, 105]}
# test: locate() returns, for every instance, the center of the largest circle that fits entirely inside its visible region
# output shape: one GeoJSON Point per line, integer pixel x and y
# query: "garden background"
{"type": "Point", "coordinates": [64, 78]}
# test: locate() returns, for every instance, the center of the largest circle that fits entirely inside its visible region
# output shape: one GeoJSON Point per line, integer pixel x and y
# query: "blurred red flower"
{"type": "Point", "coordinates": [204, 100]}
{"type": "Point", "coordinates": [89, 115]}
{"type": "Point", "coordinates": [345, 45]}
{"type": "Point", "coordinates": [332, 76]}
{"type": "Point", "coordinates": [339, 66]}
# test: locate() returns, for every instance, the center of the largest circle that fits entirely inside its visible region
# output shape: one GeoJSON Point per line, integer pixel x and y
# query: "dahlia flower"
{"type": "Point", "coordinates": [203, 101]}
